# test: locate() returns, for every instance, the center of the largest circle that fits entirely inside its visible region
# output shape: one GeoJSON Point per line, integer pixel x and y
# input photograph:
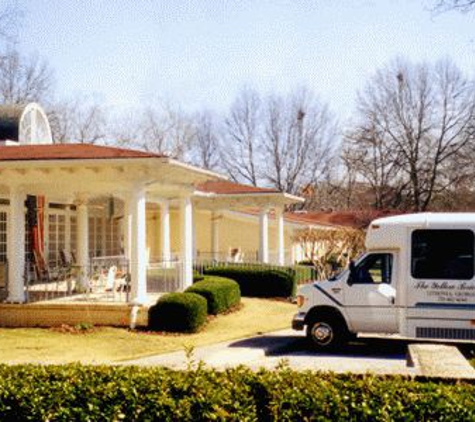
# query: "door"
{"type": "Point", "coordinates": [370, 294]}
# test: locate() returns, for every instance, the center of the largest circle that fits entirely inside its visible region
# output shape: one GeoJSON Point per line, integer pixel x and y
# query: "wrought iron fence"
{"type": "Point", "coordinates": [107, 279]}
{"type": "Point", "coordinates": [51, 283]}
{"type": "Point", "coordinates": [165, 276]}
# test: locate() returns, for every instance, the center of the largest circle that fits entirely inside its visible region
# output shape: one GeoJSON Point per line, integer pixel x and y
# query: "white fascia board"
{"type": "Point", "coordinates": [277, 195]}
{"type": "Point", "coordinates": [210, 174]}
{"type": "Point", "coordinates": [255, 218]}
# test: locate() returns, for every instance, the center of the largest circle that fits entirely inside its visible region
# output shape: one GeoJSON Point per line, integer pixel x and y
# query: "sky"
{"type": "Point", "coordinates": [200, 54]}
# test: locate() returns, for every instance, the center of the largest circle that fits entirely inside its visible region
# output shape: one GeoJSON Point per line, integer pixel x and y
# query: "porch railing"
{"type": "Point", "coordinates": [57, 282]}
{"type": "Point", "coordinates": [165, 275]}
{"type": "Point", "coordinates": [108, 279]}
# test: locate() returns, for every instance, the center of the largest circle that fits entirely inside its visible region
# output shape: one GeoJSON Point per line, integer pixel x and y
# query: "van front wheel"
{"type": "Point", "coordinates": [326, 334]}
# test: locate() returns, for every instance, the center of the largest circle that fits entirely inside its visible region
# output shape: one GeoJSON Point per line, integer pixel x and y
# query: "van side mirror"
{"type": "Point", "coordinates": [352, 275]}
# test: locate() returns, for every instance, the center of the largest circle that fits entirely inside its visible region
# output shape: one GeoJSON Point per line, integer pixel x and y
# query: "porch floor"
{"type": "Point", "coordinates": [98, 298]}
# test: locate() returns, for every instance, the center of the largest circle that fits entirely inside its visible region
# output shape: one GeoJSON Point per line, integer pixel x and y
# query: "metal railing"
{"type": "Point", "coordinates": [107, 279]}
{"type": "Point", "coordinates": [165, 276]}
{"type": "Point", "coordinates": [52, 283]}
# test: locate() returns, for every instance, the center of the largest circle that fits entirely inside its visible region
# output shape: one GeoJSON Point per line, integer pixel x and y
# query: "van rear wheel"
{"type": "Point", "coordinates": [326, 333]}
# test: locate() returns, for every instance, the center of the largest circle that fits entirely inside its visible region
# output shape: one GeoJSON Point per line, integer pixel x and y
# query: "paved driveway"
{"type": "Point", "coordinates": [366, 355]}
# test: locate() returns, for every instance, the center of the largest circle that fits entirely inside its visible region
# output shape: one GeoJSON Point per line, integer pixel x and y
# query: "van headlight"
{"type": "Point", "coordinates": [300, 300]}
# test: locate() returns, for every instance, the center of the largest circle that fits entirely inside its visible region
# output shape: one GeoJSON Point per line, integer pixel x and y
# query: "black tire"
{"type": "Point", "coordinates": [327, 333]}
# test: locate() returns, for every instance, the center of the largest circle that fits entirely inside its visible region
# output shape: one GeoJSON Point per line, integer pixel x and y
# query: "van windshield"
{"type": "Point", "coordinates": [338, 272]}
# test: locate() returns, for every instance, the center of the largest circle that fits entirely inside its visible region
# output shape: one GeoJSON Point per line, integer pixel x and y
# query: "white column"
{"type": "Point", "coordinates": [215, 235]}
{"type": "Point", "coordinates": [264, 236]}
{"type": "Point", "coordinates": [193, 229]}
{"type": "Point", "coordinates": [279, 219]}
{"type": "Point", "coordinates": [83, 243]}
{"type": "Point", "coordinates": [138, 252]}
{"type": "Point", "coordinates": [165, 231]}
{"type": "Point", "coordinates": [186, 209]}
{"type": "Point", "coordinates": [16, 246]}
{"type": "Point", "coordinates": [127, 228]}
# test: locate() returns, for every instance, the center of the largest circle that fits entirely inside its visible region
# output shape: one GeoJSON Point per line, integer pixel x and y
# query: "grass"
{"type": "Point", "coordinates": [107, 344]}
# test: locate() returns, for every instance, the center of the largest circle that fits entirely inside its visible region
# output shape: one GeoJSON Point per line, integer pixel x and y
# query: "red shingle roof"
{"type": "Point", "coordinates": [356, 219]}
{"type": "Point", "coordinates": [68, 152]}
{"type": "Point", "coordinates": [224, 187]}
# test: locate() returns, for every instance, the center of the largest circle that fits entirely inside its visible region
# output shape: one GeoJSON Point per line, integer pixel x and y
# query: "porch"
{"type": "Point", "coordinates": [115, 231]}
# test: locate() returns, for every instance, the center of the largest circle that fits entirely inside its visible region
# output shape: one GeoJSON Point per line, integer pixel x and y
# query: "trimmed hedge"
{"type": "Point", "coordinates": [256, 281]}
{"type": "Point", "coordinates": [197, 276]}
{"type": "Point", "coordinates": [220, 293]}
{"type": "Point", "coordinates": [178, 312]}
{"type": "Point", "coordinates": [74, 392]}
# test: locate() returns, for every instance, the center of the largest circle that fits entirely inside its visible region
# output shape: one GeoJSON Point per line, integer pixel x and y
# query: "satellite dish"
{"type": "Point", "coordinates": [34, 128]}
{"type": "Point", "coordinates": [24, 124]}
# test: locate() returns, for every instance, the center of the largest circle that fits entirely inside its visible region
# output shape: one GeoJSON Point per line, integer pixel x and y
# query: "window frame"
{"type": "Point", "coordinates": [351, 281]}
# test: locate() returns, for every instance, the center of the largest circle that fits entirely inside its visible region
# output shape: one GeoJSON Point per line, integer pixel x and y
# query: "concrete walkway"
{"type": "Point", "coordinates": [440, 360]}
{"type": "Point", "coordinates": [269, 350]}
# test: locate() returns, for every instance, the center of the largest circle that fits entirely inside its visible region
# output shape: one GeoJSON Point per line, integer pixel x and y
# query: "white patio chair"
{"type": "Point", "coordinates": [114, 284]}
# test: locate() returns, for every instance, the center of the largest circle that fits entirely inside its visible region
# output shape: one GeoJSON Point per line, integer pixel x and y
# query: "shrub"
{"type": "Point", "coordinates": [178, 312]}
{"type": "Point", "coordinates": [75, 392]}
{"type": "Point", "coordinates": [304, 273]}
{"type": "Point", "coordinates": [258, 282]}
{"type": "Point", "coordinates": [197, 276]}
{"type": "Point", "coordinates": [220, 293]}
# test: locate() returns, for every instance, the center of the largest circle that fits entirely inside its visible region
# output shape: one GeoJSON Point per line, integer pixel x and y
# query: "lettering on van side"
{"type": "Point", "coordinates": [444, 291]}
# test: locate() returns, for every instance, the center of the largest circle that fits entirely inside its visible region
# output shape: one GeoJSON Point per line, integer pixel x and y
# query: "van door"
{"type": "Point", "coordinates": [370, 294]}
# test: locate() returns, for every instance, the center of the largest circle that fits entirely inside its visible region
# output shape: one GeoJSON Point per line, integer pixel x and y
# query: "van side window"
{"type": "Point", "coordinates": [375, 268]}
{"type": "Point", "coordinates": [442, 254]}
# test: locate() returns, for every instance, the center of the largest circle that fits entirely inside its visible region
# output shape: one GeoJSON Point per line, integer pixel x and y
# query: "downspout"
{"type": "Point", "coordinates": [133, 316]}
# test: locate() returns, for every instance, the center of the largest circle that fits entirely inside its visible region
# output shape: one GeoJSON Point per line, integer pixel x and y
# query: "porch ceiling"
{"type": "Point", "coordinates": [162, 176]}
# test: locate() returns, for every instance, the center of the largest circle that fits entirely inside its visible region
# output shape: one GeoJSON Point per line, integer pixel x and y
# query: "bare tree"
{"type": "Point", "coordinates": [81, 120]}
{"type": "Point", "coordinates": [9, 21]}
{"type": "Point", "coordinates": [280, 141]}
{"type": "Point", "coordinates": [161, 129]}
{"type": "Point", "coordinates": [368, 155]}
{"type": "Point", "coordinates": [423, 116]}
{"type": "Point", "coordinates": [330, 249]}
{"type": "Point", "coordinates": [297, 140]}
{"type": "Point", "coordinates": [24, 79]}
{"type": "Point", "coordinates": [460, 5]}
{"type": "Point", "coordinates": [205, 148]}
{"type": "Point", "coordinates": [241, 153]}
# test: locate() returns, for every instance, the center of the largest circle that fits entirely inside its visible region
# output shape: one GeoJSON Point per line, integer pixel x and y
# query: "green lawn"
{"type": "Point", "coordinates": [104, 345]}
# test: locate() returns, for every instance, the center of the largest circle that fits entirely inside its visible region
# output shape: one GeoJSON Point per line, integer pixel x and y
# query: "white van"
{"type": "Point", "coordinates": [417, 280]}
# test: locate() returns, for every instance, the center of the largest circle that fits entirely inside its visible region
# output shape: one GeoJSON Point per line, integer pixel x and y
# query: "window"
{"type": "Point", "coordinates": [442, 254]}
{"type": "Point", "coordinates": [112, 237]}
{"type": "Point", "coordinates": [73, 229]}
{"type": "Point", "coordinates": [96, 236]}
{"type": "Point", "coordinates": [373, 269]}
{"type": "Point", "coordinates": [56, 237]}
{"type": "Point", "coordinates": [3, 236]}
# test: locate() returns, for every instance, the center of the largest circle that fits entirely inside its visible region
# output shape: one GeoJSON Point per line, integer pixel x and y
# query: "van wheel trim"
{"type": "Point", "coordinates": [322, 333]}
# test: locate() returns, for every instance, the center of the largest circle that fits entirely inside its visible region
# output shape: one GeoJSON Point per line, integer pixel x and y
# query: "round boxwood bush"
{"type": "Point", "coordinates": [178, 312]}
{"type": "Point", "coordinates": [220, 293]}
